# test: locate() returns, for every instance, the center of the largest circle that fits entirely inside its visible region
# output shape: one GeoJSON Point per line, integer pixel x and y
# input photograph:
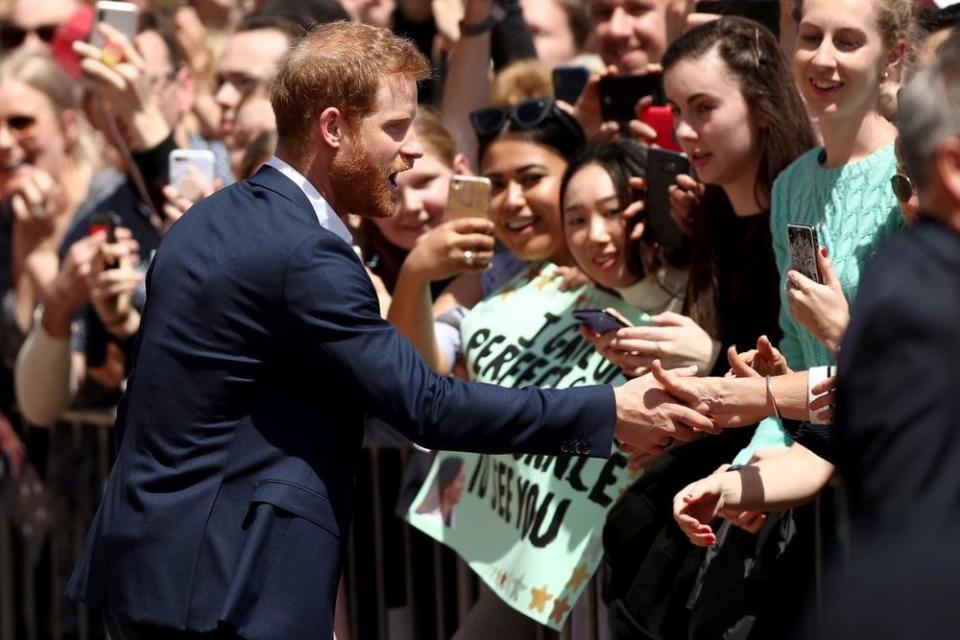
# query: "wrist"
{"type": "Point", "coordinates": [149, 129]}
{"type": "Point", "coordinates": [56, 320]}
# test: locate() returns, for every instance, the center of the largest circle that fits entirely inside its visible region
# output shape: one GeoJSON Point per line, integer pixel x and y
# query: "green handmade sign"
{"type": "Point", "coordinates": [529, 526]}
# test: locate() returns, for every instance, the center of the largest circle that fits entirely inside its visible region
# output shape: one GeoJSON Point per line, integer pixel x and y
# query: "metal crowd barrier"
{"type": "Point", "coordinates": [398, 584]}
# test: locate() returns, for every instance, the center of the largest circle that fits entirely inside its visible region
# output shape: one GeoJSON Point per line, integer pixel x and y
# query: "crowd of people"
{"type": "Point", "coordinates": [846, 119]}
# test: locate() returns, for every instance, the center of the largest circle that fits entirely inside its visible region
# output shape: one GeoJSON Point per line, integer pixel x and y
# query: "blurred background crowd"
{"type": "Point", "coordinates": [642, 147]}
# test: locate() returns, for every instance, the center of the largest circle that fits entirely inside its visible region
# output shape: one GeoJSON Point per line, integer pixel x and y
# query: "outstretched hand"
{"type": "Point", "coordinates": [715, 397]}
{"type": "Point", "coordinates": [765, 360]}
{"type": "Point", "coordinates": [650, 420]}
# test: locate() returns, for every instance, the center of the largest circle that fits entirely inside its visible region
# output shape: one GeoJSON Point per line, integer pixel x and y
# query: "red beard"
{"type": "Point", "coordinates": [360, 187]}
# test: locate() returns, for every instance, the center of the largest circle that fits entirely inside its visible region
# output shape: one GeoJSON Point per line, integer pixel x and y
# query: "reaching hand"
{"type": "Point", "coordinates": [674, 339]}
{"type": "Point", "coordinates": [826, 398]}
{"type": "Point", "coordinates": [650, 420]}
{"type": "Point", "coordinates": [685, 195]}
{"type": "Point", "coordinates": [696, 506]}
{"type": "Point", "coordinates": [765, 360]}
{"type": "Point", "coordinates": [821, 308]}
{"type": "Point", "coordinates": [180, 197]}
{"type": "Point", "coordinates": [125, 87]}
{"type": "Point", "coordinates": [719, 398]}
{"type": "Point", "coordinates": [454, 247]}
{"type": "Point", "coordinates": [112, 289]}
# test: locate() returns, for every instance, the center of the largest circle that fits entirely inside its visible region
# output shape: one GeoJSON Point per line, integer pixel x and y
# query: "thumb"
{"type": "Point", "coordinates": [740, 368]}
{"type": "Point", "coordinates": [765, 348]}
{"type": "Point", "coordinates": [671, 381]}
{"type": "Point", "coordinates": [827, 272]}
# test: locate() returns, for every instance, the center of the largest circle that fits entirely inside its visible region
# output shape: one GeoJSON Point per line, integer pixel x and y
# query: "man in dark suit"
{"type": "Point", "coordinates": [261, 351]}
{"type": "Point", "coordinates": [898, 397]}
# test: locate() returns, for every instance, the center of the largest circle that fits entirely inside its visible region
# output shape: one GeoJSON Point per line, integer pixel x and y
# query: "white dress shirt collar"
{"type": "Point", "coordinates": [328, 218]}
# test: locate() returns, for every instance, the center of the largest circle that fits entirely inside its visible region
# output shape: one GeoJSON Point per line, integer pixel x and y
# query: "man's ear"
{"type": "Point", "coordinates": [461, 165]}
{"type": "Point", "coordinates": [330, 128]}
{"type": "Point", "coordinates": [948, 167]}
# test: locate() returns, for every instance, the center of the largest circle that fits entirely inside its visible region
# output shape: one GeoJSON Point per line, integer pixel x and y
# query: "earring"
{"type": "Point", "coordinates": [885, 75]}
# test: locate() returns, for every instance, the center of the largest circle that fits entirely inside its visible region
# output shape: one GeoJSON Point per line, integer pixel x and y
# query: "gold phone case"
{"type": "Point", "coordinates": [469, 197]}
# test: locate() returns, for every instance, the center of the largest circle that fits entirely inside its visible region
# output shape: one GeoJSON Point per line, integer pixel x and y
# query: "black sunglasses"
{"type": "Point", "coordinates": [489, 122]}
{"type": "Point", "coordinates": [902, 187]}
{"type": "Point", "coordinates": [12, 37]}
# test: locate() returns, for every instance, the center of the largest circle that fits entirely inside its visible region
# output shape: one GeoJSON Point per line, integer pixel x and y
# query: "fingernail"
{"type": "Point", "coordinates": [823, 252]}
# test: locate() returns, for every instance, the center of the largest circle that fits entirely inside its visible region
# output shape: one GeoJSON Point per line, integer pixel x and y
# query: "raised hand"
{"type": "Point", "coordinates": [765, 360]}
{"type": "Point", "coordinates": [822, 309]}
{"type": "Point", "coordinates": [674, 339]}
{"type": "Point", "coordinates": [454, 247]}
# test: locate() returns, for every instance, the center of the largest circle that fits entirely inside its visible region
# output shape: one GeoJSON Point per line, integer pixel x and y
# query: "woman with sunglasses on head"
{"type": "Point", "coordinates": [524, 151]}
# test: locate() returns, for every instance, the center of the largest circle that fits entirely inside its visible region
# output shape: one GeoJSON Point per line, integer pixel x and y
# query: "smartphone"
{"type": "Point", "coordinates": [619, 95]}
{"type": "Point", "coordinates": [663, 167]}
{"type": "Point", "coordinates": [661, 119]}
{"type": "Point", "coordinates": [122, 16]}
{"type": "Point", "coordinates": [599, 321]}
{"type": "Point", "coordinates": [568, 83]}
{"type": "Point", "coordinates": [766, 12]}
{"type": "Point", "coordinates": [469, 197]}
{"type": "Point", "coordinates": [804, 246]}
{"type": "Point", "coordinates": [105, 221]}
{"type": "Point", "coordinates": [180, 177]}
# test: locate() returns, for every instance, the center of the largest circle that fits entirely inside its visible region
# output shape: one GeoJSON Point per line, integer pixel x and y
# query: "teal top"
{"type": "Point", "coordinates": [854, 210]}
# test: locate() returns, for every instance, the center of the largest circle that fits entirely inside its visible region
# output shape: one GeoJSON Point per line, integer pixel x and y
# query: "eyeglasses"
{"type": "Point", "coordinates": [12, 37]}
{"type": "Point", "coordinates": [902, 187]}
{"type": "Point", "coordinates": [489, 122]}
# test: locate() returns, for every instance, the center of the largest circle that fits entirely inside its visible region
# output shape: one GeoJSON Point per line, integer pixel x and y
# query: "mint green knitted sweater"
{"type": "Point", "coordinates": [854, 211]}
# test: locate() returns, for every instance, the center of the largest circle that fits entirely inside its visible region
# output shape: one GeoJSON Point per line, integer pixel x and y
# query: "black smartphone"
{"type": "Point", "coordinates": [568, 83]}
{"type": "Point", "coordinates": [105, 221]}
{"type": "Point", "coordinates": [804, 247]}
{"type": "Point", "coordinates": [766, 12]}
{"type": "Point", "coordinates": [663, 167]}
{"type": "Point", "coordinates": [619, 95]}
{"type": "Point", "coordinates": [599, 321]}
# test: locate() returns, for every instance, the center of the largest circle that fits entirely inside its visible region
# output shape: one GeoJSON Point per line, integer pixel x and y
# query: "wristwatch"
{"type": "Point", "coordinates": [476, 28]}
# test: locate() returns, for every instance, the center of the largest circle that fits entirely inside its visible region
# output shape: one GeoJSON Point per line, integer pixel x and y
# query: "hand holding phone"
{"type": "Point", "coordinates": [600, 321]}
{"type": "Point", "coordinates": [469, 197]}
{"type": "Point", "coordinates": [804, 246]}
{"type": "Point", "coordinates": [663, 167]}
{"type": "Point", "coordinates": [192, 172]}
{"type": "Point", "coordinates": [619, 95]}
{"type": "Point", "coordinates": [122, 16]}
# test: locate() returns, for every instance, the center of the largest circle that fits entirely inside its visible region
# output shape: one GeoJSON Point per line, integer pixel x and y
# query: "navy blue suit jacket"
{"type": "Point", "coordinates": [898, 395]}
{"type": "Point", "coordinates": [261, 352]}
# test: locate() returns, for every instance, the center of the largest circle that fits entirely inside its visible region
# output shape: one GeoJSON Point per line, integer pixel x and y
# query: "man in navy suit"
{"type": "Point", "coordinates": [261, 351]}
{"type": "Point", "coordinates": [898, 393]}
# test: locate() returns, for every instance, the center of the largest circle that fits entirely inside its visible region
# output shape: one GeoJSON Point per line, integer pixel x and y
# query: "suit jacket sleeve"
{"type": "Point", "coordinates": [333, 309]}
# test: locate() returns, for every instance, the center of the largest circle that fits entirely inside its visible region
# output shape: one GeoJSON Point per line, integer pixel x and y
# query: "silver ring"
{"type": "Point", "coordinates": [469, 257]}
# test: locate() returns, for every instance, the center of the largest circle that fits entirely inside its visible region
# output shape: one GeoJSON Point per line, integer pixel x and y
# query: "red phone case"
{"type": "Point", "coordinates": [661, 119]}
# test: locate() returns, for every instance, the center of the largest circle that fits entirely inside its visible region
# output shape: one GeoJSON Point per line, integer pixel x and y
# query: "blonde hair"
{"type": "Point", "coordinates": [42, 73]}
{"type": "Point", "coordinates": [521, 81]}
{"type": "Point", "coordinates": [435, 136]}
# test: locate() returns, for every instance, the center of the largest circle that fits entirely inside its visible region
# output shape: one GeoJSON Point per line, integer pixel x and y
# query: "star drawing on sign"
{"type": "Point", "coordinates": [560, 608]}
{"type": "Point", "coordinates": [517, 587]}
{"type": "Point", "coordinates": [578, 577]}
{"type": "Point", "coordinates": [540, 598]}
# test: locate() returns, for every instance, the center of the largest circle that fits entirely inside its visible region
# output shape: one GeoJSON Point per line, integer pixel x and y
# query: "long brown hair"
{"type": "Point", "coordinates": [753, 55]}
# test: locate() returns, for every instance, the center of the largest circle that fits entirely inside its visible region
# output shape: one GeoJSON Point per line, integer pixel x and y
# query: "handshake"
{"type": "Point", "coordinates": [652, 419]}
{"type": "Point", "coordinates": [668, 407]}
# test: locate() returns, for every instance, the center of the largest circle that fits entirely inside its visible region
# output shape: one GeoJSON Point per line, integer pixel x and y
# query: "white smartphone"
{"type": "Point", "coordinates": [122, 16]}
{"type": "Point", "coordinates": [182, 179]}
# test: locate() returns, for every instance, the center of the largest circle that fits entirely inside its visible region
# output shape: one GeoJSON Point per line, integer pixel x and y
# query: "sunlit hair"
{"type": "Point", "coordinates": [340, 65]}
{"type": "Point", "coordinates": [435, 137]}
{"type": "Point", "coordinates": [42, 73]}
{"type": "Point", "coordinates": [520, 81]}
{"type": "Point", "coordinates": [930, 110]}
